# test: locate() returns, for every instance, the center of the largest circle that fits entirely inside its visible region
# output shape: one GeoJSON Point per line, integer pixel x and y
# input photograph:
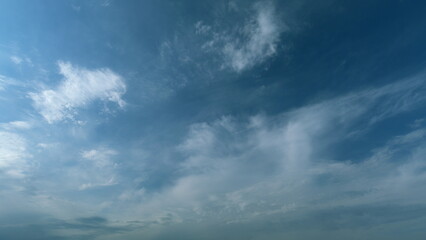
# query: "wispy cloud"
{"type": "Point", "coordinates": [106, 3]}
{"type": "Point", "coordinates": [16, 125]}
{"type": "Point", "coordinates": [79, 88]}
{"type": "Point", "coordinates": [261, 40]}
{"type": "Point", "coordinates": [7, 81]}
{"type": "Point", "coordinates": [98, 170]}
{"type": "Point", "coordinates": [270, 166]}
{"type": "Point", "coordinates": [237, 39]}
{"type": "Point", "coordinates": [248, 43]}
{"type": "Point", "coordinates": [281, 168]}
{"type": "Point", "coordinates": [13, 155]}
{"type": "Point", "coordinates": [16, 59]}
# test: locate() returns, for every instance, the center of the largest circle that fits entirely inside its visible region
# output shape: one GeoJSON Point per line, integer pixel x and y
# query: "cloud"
{"type": "Point", "coordinates": [106, 3]}
{"type": "Point", "coordinates": [283, 170]}
{"type": "Point", "coordinates": [260, 43]}
{"type": "Point", "coordinates": [269, 167]}
{"type": "Point", "coordinates": [233, 39]}
{"type": "Point", "coordinates": [98, 169]}
{"type": "Point", "coordinates": [6, 81]}
{"type": "Point", "coordinates": [249, 43]}
{"type": "Point", "coordinates": [79, 88]}
{"type": "Point", "coordinates": [274, 172]}
{"type": "Point", "coordinates": [13, 155]}
{"type": "Point", "coordinates": [16, 125]}
{"type": "Point", "coordinates": [84, 228]}
{"type": "Point", "coordinates": [16, 60]}
{"type": "Point", "coordinates": [100, 157]}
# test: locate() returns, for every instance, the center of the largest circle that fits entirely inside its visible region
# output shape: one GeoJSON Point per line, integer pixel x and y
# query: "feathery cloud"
{"type": "Point", "coordinates": [269, 166]}
{"type": "Point", "coordinates": [13, 155]}
{"type": "Point", "coordinates": [79, 88]}
{"type": "Point", "coordinates": [249, 43]}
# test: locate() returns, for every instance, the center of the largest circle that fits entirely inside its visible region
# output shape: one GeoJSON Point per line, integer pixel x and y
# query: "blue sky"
{"type": "Point", "coordinates": [212, 119]}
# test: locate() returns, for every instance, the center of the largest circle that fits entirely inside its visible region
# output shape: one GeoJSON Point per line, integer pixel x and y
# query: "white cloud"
{"type": "Point", "coordinates": [106, 3]}
{"type": "Point", "coordinates": [247, 44]}
{"type": "Point", "coordinates": [6, 81]}
{"type": "Point", "coordinates": [16, 125]}
{"type": "Point", "coordinates": [79, 88]}
{"type": "Point", "coordinates": [13, 155]}
{"type": "Point", "coordinates": [97, 169]}
{"type": "Point", "coordinates": [100, 157]}
{"type": "Point", "coordinates": [46, 145]}
{"type": "Point", "coordinates": [268, 166]}
{"type": "Point", "coordinates": [16, 59]}
{"type": "Point", "coordinates": [262, 35]}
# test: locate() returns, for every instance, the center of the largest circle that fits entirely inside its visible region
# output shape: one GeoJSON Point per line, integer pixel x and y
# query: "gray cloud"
{"type": "Point", "coordinates": [85, 228]}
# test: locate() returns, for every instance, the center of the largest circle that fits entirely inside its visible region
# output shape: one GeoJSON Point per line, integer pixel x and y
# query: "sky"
{"type": "Point", "coordinates": [213, 119]}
